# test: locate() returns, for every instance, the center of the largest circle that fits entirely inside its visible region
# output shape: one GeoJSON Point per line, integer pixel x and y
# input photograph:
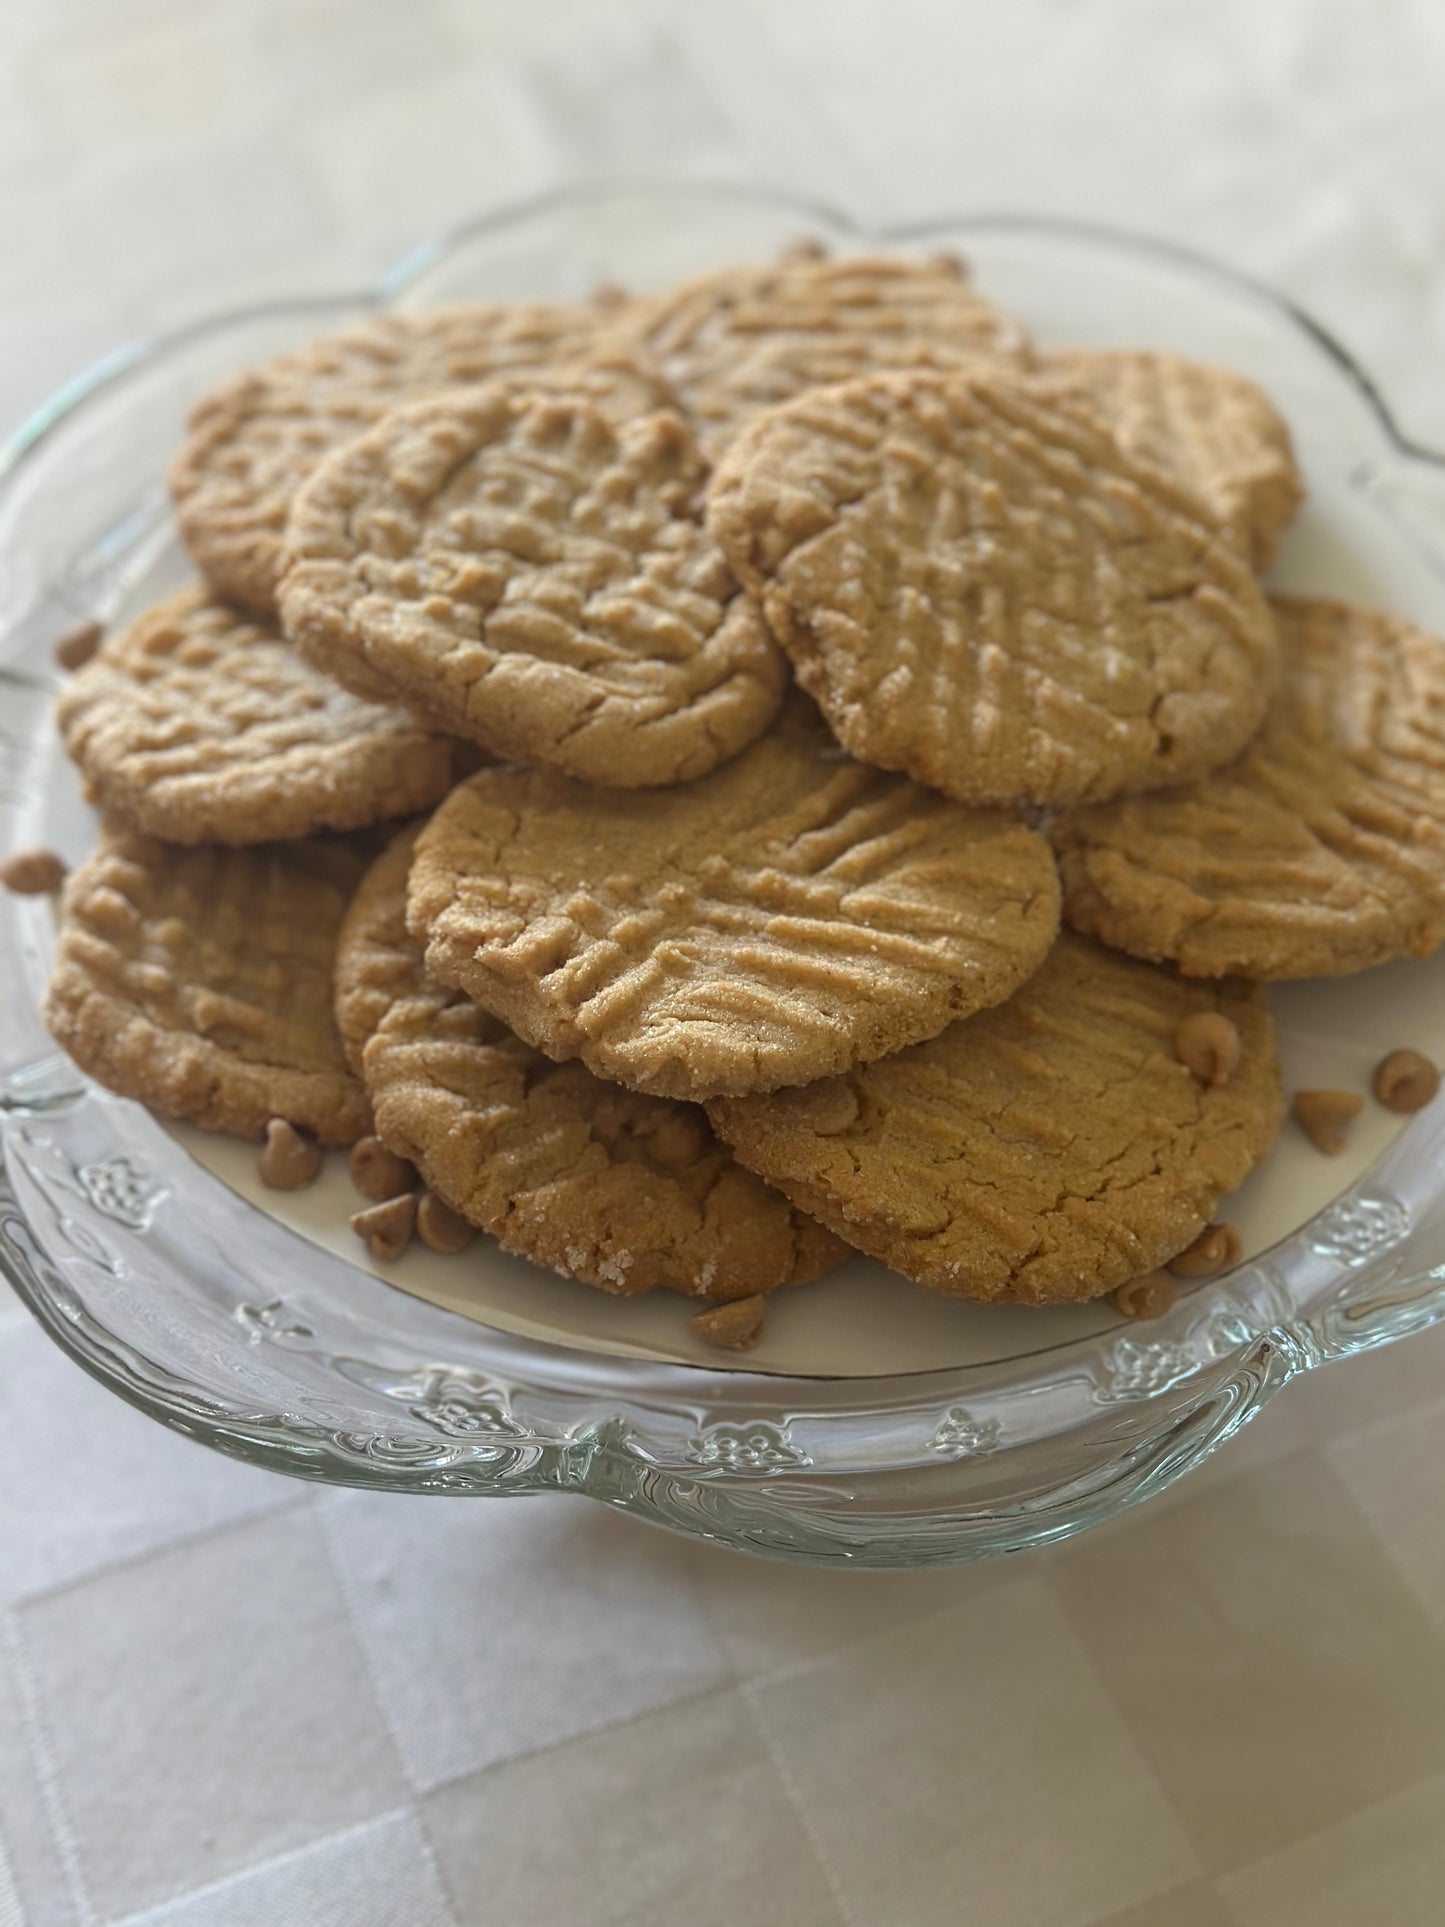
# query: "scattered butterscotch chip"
{"type": "Point", "coordinates": [1405, 1081]}
{"type": "Point", "coordinates": [734, 1327]}
{"type": "Point", "coordinates": [1217, 1248]}
{"type": "Point", "coordinates": [288, 1160]}
{"type": "Point", "coordinates": [32, 873]}
{"type": "Point", "coordinates": [377, 1172]}
{"type": "Point", "coordinates": [76, 647]}
{"type": "Point", "coordinates": [440, 1228]}
{"type": "Point", "coordinates": [1147, 1297]}
{"type": "Point", "coordinates": [1323, 1116]}
{"type": "Point", "coordinates": [387, 1228]}
{"type": "Point", "coordinates": [1208, 1045]}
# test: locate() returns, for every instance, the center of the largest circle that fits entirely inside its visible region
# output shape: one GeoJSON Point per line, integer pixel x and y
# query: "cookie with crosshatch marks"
{"type": "Point", "coordinates": [200, 724]}
{"type": "Point", "coordinates": [200, 980]}
{"type": "Point", "coordinates": [538, 579]}
{"type": "Point", "coordinates": [1321, 850]}
{"type": "Point", "coordinates": [1049, 1149]}
{"type": "Point", "coordinates": [1216, 431]}
{"type": "Point", "coordinates": [981, 588]}
{"type": "Point", "coordinates": [625, 1192]}
{"type": "Point", "coordinates": [254, 441]}
{"type": "Point", "coordinates": [785, 917]}
{"type": "Point", "coordinates": [744, 339]}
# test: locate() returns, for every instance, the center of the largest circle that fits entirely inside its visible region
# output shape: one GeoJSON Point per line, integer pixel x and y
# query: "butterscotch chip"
{"type": "Point", "coordinates": [199, 981]}
{"type": "Point", "coordinates": [1213, 429]}
{"type": "Point", "coordinates": [1405, 1081]}
{"type": "Point", "coordinates": [627, 1193]}
{"type": "Point", "coordinates": [387, 1227]}
{"type": "Point", "coordinates": [377, 1173]}
{"type": "Point", "coordinates": [537, 579]}
{"type": "Point", "coordinates": [741, 340]}
{"type": "Point", "coordinates": [1321, 850]}
{"type": "Point", "coordinates": [1147, 1297]}
{"type": "Point", "coordinates": [32, 873]}
{"type": "Point", "coordinates": [287, 1161]}
{"type": "Point", "coordinates": [981, 588]}
{"type": "Point", "coordinates": [257, 438]}
{"type": "Point", "coordinates": [1217, 1248]}
{"type": "Point", "coordinates": [733, 1328]}
{"type": "Point", "coordinates": [1210, 1045]}
{"type": "Point", "coordinates": [440, 1228]}
{"type": "Point", "coordinates": [78, 645]}
{"type": "Point", "coordinates": [1324, 1115]}
{"type": "Point", "coordinates": [199, 724]}
{"type": "Point", "coordinates": [791, 914]}
{"type": "Point", "coordinates": [1051, 1148]}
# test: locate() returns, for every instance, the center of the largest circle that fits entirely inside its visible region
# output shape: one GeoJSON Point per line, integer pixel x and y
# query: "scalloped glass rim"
{"type": "Point", "coordinates": [926, 1468]}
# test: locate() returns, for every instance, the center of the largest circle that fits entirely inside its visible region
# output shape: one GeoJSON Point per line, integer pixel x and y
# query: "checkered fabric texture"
{"type": "Point", "coordinates": [227, 1700]}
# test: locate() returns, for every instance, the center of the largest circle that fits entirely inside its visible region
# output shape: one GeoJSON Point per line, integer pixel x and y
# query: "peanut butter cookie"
{"type": "Point", "coordinates": [1215, 431]}
{"type": "Point", "coordinates": [625, 1192]}
{"type": "Point", "coordinates": [199, 724]}
{"type": "Point", "coordinates": [789, 915]}
{"type": "Point", "coordinates": [539, 580]}
{"type": "Point", "coordinates": [742, 340]}
{"type": "Point", "coordinates": [199, 980]}
{"type": "Point", "coordinates": [980, 588]}
{"type": "Point", "coordinates": [1320, 851]}
{"type": "Point", "coordinates": [1050, 1149]}
{"type": "Point", "coordinates": [254, 441]}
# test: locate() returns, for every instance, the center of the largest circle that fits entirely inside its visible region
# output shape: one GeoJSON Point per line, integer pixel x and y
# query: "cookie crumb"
{"type": "Point", "coordinates": [1147, 1297]}
{"type": "Point", "coordinates": [378, 1173]}
{"type": "Point", "coordinates": [76, 647]}
{"type": "Point", "coordinates": [32, 873]}
{"type": "Point", "coordinates": [1323, 1116]}
{"type": "Point", "coordinates": [806, 248]}
{"type": "Point", "coordinates": [1405, 1081]}
{"type": "Point", "coordinates": [387, 1228]}
{"type": "Point", "coordinates": [734, 1327]}
{"type": "Point", "coordinates": [610, 295]}
{"type": "Point", "coordinates": [1218, 1248]}
{"type": "Point", "coordinates": [287, 1161]}
{"type": "Point", "coordinates": [1208, 1045]}
{"type": "Point", "coordinates": [440, 1228]}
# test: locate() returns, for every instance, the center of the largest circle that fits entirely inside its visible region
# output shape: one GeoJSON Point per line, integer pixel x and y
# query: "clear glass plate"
{"type": "Point", "coordinates": [248, 1333]}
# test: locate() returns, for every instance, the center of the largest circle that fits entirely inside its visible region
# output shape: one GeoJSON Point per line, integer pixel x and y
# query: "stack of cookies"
{"type": "Point", "coordinates": [624, 768]}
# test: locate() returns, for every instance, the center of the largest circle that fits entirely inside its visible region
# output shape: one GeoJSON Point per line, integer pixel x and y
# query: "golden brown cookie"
{"type": "Point", "coordinates": [200, 724]}
{"type": "Point", "coordinates": [254, 440]}
{"type": "Point", "coordinates": [539, 580]}
{"type": "Point", "coordinates": [744, 339]}
{"type": "Point", "coordinates": [199, 980]}
{"type": "Point", "coordinates": [1320, 851]}
{"type": "Point", "coordinates": [1050, 1149]}
{"type": "Point", "coordinates": [791, 914]}
{"type": "Point", "coordinates": [625, 1192]}
{"type": "Point", "coordinates": [980, 588]}
{"type": "Point", "coordinates": [1216, 431]}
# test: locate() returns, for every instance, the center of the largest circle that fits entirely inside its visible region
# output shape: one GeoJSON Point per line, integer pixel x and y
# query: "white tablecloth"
{"type": "Point", "coordinates": [225, 1698]}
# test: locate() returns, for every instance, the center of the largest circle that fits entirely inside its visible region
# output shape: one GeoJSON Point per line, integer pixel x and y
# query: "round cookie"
{"type": "Point", "coordinates": [791, 914]}
{"type": "Point", "coordinates": [1320, 851]}
{"type": "Point", "coordinates": [538, 579]}
{"type": "Point", "coordinates": [744, 339]}
{"type": "Point", "coordinates": [1215, 431]}
{"type": "Point", "coordinates": [200, 724]}
{"type": "Point", "coordinates": [1050, 1149]}
{"type": "Point", "coordinates": [199, 980]}
{"type": "Point", "coordinates": [625, 1192]}
{"type": "Point", "coordinates": [253, 441]}
{"type": "Point", "coordinates": [980, 588]}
